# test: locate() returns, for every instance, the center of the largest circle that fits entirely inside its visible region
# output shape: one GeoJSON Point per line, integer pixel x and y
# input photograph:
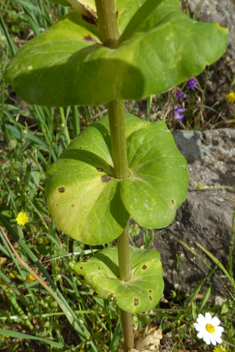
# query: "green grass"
{"type": "Point", "coordinates": [58, 310]}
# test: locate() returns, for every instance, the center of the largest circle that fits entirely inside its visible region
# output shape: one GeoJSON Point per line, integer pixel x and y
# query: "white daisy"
{"type": "Point", "coordinates": [208, 329]}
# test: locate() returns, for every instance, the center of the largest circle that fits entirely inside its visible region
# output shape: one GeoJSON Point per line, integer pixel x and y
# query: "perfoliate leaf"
{"type": "Point", "coordinates": [89, 204]}
{"type": "Point", "coordinates": [142, 292]}
{"type": "Point", "coordinates": [68, 65]}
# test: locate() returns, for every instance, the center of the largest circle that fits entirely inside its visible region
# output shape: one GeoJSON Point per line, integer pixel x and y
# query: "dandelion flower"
{"type": "Point", "coordinates": [191, 84]}
{"type": "Point", "coordinates": [208, 329]}
{"type": "Point", "coordinates": [22, 218]}
{"type": "Point", "coordinates": [179, 113]}
{"type": "Point", "coordinates": [30, 277]}
{"type": "Point", "coordinates": [220, 348]}
{"type": "Point", "coordinates": [231, 97]}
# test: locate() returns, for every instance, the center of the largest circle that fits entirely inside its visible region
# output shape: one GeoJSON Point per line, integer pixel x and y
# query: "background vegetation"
{"type": "Point", "coordinates": [31, 139]}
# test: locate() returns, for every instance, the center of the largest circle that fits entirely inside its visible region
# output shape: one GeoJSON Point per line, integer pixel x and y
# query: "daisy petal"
{"type": "Point", "coordinates": [208, 318]}
{"type": "Point", "coordinates": [197, 326]}
{"type": "Point", "coordinates": [213, 339]}
{"type": "Point", "coordinates": [215, 321]}
{"type": "Point", "coordinates": [207, 339]}
{"type": "Point", "coordinates": [201, 320]}
{"type": "Point", "coordinates": [218, 339]}
{"type": "Point", "coordinates": [219, 329]}
{"type": "Point", "coordinates": [201, 334]}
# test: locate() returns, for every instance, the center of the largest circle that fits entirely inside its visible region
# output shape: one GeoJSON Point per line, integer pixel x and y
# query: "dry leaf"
{"type": "Point", "coordinates": [146, 340]}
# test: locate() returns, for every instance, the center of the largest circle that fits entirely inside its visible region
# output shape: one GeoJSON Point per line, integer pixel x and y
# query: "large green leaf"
{"type": "Point", "coordinates": [142, 292]}
{"type": "Point", "coordinates": [90, 205]}
{"type": "Point", "coordinates": [83, 197]}
{"type": "Point", "coordinates": [158, 180]}
{"type": "Point", "coordinates": [68, 65]}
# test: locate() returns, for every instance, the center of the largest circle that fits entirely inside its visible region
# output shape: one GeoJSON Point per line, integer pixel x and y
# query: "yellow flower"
{"type": "Point", "coordinates": [30, 277]}
{"type": "Point", "coordinates": [231, 97]}
{"type": "Point", "coordinates": [219, 349]}
{"type": "Point", "coordinates": [12, 275]}
{"type": "Point", "coordinates": [22, 218]}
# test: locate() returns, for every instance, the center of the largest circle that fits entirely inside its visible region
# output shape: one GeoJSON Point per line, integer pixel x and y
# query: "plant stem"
{"type": "Point", "coordinates": [63, 120]}
{"type": "Point", "coordinates": [123, 255]}
{"type": "Point", "coordinates": [127, 329]}
{"type": "Point", "coordinates": [107, 21]}
{"type": "Point", "coordinates": [116, 110]}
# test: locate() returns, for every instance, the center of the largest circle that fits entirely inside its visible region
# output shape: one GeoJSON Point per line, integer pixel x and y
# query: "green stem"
{"type": "Point", "coordinates": [123, 255]}
{"type": "Point", "coordinates": [107, 21]}
{"type": "Point", "coordinates": [127, 329]}
{"type": "Point", "coordinates": [63, 120]}
{"type": "Point", "coordinates": [76, 120]}
{"type": "Point", "coordinates": [116, 110]}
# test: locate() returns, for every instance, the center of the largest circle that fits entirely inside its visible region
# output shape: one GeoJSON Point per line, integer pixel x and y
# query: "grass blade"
{"type": "Point", "coordinates": [217, 262]}
{"type": "Point", "coordinates": [19, 335]}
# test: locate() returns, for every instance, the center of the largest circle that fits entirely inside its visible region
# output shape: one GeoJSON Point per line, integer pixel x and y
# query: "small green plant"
{"type": "Point", "coordinates": [121, 166]}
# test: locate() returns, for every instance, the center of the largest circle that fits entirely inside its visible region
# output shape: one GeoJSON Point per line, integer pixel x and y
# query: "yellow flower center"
{"type": "Point", "coordinates": [210, 328]}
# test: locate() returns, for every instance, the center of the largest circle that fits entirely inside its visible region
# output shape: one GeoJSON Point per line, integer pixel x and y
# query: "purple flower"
{"type": "Point", "coordinates": [179, 113]}
{"type": "Point", "coordinates": [191, 83]}
{"type": "Point", "coordinates": [180, 95]}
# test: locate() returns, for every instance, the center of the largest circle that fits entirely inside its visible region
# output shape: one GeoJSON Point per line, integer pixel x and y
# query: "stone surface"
{"type": "Point", "coordinates": [206, 215]}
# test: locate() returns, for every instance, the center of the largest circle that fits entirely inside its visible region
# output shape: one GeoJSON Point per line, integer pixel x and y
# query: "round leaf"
{"type": "Point", "coordinates": [142, 292]}
{"type": "Point", "coordinates": [68, 65]}
{"type": "Point", "coordinates": [158, 180]}
{"type": "Point", "coordinates": [87, 203]}
{"type": "Point", "coordinates": [82, 194]}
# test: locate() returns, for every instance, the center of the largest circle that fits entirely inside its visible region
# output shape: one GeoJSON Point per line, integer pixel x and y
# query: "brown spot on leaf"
{"type": "Point", "coordinates": [84, 261]}
{"type": "Point", "coordinates": [81, 267]}
{"type": "Point", "coordinates": [144, 267]}
{"type": "Point", "coordinates": [61, 189]}
{"type": "Point", "coordinates": [172, 201]}
{"type": "Point", "coordinates": [150, 290]}
{"type": "Point", "coordinates": [223, 24]}
{"type": "Point", "coordinates": [116, 14]}
{"type": "Point", "coordinates": [98, 268]}
{"type": "Point", "coordinates": [72, 205]}
{"type": "Point", "coordinates": [136, 302]}
{"type": "Point", "coordinates": [88, 38]}
{"type": "Point", "coordinates": [99, 169]}
{"type": "Point", "coordinates": [89, 19]}
{"type": "Point", "coordinates": [80, 147]}
{"type": "Point", "coordinates": [150, 298]}
{"type": "Point", "coordinates": [105, 178]}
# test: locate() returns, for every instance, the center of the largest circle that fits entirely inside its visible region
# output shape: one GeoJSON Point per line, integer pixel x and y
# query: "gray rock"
{"type": "Point", "coordinates": [217, 11]}
{"type": "Point", "coordinates": [206, 215]}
